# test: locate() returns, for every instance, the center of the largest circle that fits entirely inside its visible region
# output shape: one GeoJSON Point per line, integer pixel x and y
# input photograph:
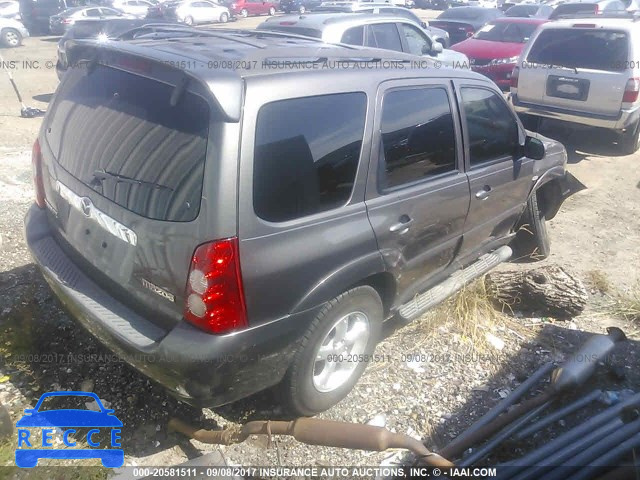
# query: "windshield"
{"type": "Point", "coordinates": [595, 49]}
{"type": "Point", "coordinates": [506, 32]}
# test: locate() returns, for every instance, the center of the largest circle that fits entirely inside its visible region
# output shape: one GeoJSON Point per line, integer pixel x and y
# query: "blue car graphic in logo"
{"type": "Point", "coordinates": [64, 422]}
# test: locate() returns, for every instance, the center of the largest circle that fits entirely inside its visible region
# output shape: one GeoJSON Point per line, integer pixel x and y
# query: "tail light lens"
{"type": "Point", "coordinates": [38, 180]}
{"type": "Point", "coordinates": [631, 90]}
{"type": "Point", "coordinates": [597, 9]}
{"type": "Point", "coordinates": [514, 77]}
{"type": "Point", "coordinates": [214, 297]}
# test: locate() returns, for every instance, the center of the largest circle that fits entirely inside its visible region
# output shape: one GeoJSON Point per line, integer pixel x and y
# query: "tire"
{"type": "Point", "coordinates": [532, 242]}
{"type": "Point", "coordinates": [244, 13]}
{"type": "Point", "coordinates": [629, 141]}
{"type": "Point", "coordinates": [10, 37]}
{"type": "Point", "coordinates": [304, 391]}
{"type": "Point", "coordinates": [272, 11]}
{"type": "Point", "coordinates": [529, 122]}
{"type": "Point", "coordinates": [302, 10]}
{"type": "Point", "coordinates": [188, 20]}
{"type": "Point", "coordinates": [224, 18]}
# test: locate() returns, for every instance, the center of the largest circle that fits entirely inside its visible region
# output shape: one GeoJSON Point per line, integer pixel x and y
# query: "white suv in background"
{"type": "Point", "coordinates": [585, 71]}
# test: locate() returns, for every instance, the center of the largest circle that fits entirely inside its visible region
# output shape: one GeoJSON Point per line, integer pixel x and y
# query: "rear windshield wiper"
{"type": "Point", "coordinates": [100, 175]}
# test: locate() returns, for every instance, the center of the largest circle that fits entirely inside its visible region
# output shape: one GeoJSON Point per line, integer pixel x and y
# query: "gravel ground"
{"type": "Point", "coordinates": [460, 378]}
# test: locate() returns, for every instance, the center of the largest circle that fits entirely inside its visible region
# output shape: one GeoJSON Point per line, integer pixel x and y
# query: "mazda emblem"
{"type": "Point", "coordinates": [85, 206]}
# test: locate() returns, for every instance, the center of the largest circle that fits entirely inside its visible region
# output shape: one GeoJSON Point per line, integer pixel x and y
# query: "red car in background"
{"type": "Point", "coordinates": [494, 49]}
{"type": "Point", "coordinates": [248, 8]}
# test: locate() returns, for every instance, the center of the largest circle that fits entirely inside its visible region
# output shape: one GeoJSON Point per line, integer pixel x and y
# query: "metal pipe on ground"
{"type": "Point", "coordinates": [609, 459]}
{"type": "Point", "coordinates": [558, 415]}
{"type": "Point", "coordinates": [572, 373]}
{"type": "Point", "coordinates": [491, 445]}
{"type": "Point", "coordinates": [537, 471]}
{"type": "Point", "coordinates": [502, 406]}
{"type": "Point", "coordinates": [315, 431]}
{"type": "Point", "coordinates": [532, 458]}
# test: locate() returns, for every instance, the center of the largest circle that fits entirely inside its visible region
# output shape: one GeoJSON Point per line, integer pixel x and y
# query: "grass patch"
{"type": "Point", "coordinates": [599, 281]}
{"type": "Point", "coordinates": [470, 313]}
{"type": "Point", "coordinates": [627, 305]}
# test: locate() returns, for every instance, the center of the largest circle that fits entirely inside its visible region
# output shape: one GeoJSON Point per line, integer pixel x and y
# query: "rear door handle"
{"type": "Point", "coordinates": [402, 226]}
{"type": "Point", "coordinates": [484, 193]}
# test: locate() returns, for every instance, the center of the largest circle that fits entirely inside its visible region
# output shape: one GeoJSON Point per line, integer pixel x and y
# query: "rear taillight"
{"type": "Point", "coordinates": [214, 298]}
{"type": "Point", "coordinates": [597, 9]}
{"type": "Point", "coordinates": [38, 181]}
{"type": "Point", "coordinates": [514, 77]}
{"type": "Point", "coordinates": [631, 90]}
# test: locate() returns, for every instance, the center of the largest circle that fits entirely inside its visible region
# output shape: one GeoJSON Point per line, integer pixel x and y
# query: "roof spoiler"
{"type": "Point", "coordinates": [226, 87]}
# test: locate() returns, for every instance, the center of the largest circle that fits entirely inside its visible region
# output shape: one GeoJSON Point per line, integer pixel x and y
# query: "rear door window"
{"type": "Point", "coordinates": [118, 134]}
{"type": "Point", "coordinates": [383, 35]}
{"type": "Point", "coordinates": [354, 36]}
{"type": "Point", "coordinates": [599, 49]}
{"type": "Point", "coordinates": [306, 154]}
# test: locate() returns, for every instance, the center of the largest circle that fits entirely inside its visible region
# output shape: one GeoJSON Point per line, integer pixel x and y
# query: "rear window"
{"type": "Point", "coordinates": [460, 14]}
{"type": "Point", "coordinates": [566, 10]}
{"type": "Point", "coordinates": [118, 134]}
{"type": "Point", "coordinates": [576, 48]}
{"type": "Point", "coordinates": [306, 154]}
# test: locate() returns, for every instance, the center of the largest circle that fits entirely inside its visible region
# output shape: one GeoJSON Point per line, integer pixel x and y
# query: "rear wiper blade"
{"type": "Point", "coordinates": [101, 175]}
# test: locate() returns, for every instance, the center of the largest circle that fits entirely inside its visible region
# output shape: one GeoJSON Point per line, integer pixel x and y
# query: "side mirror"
{"type": "Point", "coordinates": [436, 48]}
{"type": "Point", "coordinates": [424, 25]}
{"type": "Point", "coordinates": [534, 148]}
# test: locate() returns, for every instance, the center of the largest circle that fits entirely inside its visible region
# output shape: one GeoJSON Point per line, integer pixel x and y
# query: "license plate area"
{"type": "Point", "coordinates": [567, 87]}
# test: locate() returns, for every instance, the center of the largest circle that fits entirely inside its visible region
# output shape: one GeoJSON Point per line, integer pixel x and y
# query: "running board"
{"type": "Point", "coordinates": [429, 299]}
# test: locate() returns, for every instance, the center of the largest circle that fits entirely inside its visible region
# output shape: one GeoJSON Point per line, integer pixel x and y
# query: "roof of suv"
{"type": "Point", "coordinates": [240, 54]}
{"type": "Point", "coordinates": [620, 23]}
{"type": "Point", "coordinates": [319, 20]}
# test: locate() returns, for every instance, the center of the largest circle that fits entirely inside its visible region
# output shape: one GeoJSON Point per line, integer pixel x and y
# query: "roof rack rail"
{"type": "Point", "coordinates": [629, 15]}
{"type": "Point", "coordinates": [235, 35]}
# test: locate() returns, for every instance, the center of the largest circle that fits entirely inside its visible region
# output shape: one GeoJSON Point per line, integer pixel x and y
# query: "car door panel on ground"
{"type": "Point", "coordinates": [500, 178]}
{"type": "Point", "coordinates": [417, 168]}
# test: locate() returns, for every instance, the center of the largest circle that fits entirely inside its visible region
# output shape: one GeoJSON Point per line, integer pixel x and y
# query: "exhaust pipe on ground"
{"type": "Point", "coordinates": [571, 374]}
{"type": "Point", "coordinates": [315, 431]}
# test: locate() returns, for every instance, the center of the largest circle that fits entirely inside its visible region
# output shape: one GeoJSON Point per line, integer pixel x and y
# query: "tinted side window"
{"type": "Point", "coordinates": [491, 126]}
{"type": "Point", "coordinates": [418, 138]}
{"type": "Point", "coordinates": [354, 36]}
{"type": "Point", "coordinates": [384, 35]}
{"type": "Point", "coordinates": [306, 154]}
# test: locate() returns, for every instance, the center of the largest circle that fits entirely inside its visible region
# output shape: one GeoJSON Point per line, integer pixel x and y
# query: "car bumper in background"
{"type": "Point", "coordinates": [623, 119]}
{"type": "Point", "coordinates": [500, 74]}
{"type": "Point", "coordinates": [198, 368]}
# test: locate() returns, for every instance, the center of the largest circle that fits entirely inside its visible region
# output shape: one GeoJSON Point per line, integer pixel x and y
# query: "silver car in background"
{"type": "Point", "coordinates": [437, 34]}
{"type": "Point", "coordinates": [389, 32]}
{"type": "Point", "coordinates": [193, 12]}
{"type": "Point", "coordinates": [59, 24]}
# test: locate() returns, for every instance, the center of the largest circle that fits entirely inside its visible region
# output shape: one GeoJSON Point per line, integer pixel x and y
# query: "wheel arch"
{"type": "Point", "coordinates": [366, 270]}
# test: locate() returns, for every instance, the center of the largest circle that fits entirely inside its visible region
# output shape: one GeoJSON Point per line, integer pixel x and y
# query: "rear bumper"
{"type": "Point", "coordinates": [619, 121]}
{"type": "Point", "coordinates": [198, 368]}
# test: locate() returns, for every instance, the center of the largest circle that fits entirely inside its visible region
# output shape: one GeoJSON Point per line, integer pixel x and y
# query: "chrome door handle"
{"type": "Point", "coordinates": [484, 193]}
{"type": "Point", "coordinates": [401, 227]}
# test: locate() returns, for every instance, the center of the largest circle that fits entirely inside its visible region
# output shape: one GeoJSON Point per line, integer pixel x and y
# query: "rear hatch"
{"type": "Point", "coordinates": [123, 164]}
{"type": "Point", "coordinates": [581, 69]}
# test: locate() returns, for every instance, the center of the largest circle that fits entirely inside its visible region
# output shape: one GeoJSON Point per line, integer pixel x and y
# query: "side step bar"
{"type": "Point", "coordinates": [429, 299]}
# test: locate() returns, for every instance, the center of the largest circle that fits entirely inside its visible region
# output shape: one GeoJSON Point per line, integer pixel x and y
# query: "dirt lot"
{"type": "Point", "coordinates": [597, 230]}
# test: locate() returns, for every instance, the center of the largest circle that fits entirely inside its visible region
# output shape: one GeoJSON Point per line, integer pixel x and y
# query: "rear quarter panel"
{"type": "Point", "coordinates": [295, 265]}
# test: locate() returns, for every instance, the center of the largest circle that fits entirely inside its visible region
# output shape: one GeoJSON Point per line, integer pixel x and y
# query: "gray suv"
{"type": "Point", "coordinates": [230, 211]}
